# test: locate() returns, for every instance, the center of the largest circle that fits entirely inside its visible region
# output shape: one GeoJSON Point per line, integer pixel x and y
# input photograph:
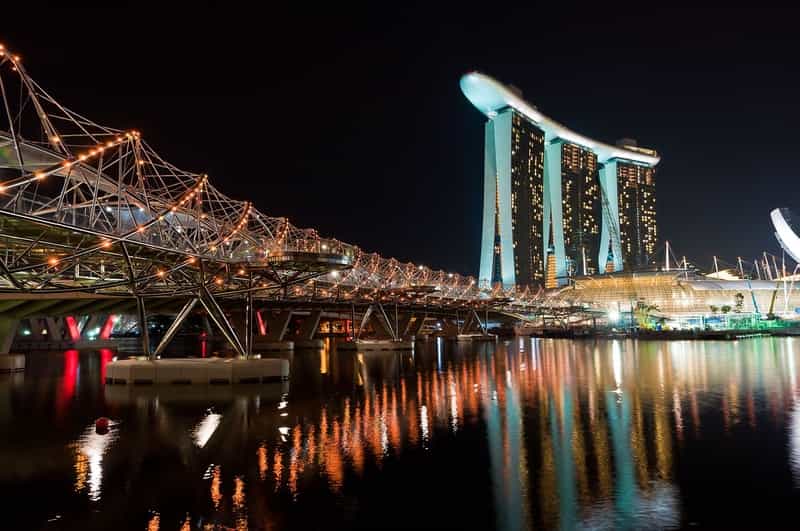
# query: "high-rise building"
{"type": "Point", "coordinates": [557, 204]}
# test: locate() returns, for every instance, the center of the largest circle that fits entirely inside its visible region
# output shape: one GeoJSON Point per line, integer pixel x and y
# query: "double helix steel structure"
{"type": "Point", "coordinates": [90, 209]}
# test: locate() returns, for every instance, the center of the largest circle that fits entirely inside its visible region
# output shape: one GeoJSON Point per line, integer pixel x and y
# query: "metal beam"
{"type": "Point", "coordinates": [218, 316]}
{"type": "Point", "coordinates": [145, 334]}
{"type": "Point", "coordinates": [175, 326]}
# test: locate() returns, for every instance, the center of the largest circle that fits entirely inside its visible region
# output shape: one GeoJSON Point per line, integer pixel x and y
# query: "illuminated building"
{"type": "Point", "coordinates": [637, 212]}
{"type": "Point", "coordinates": [786, 231]}
{"type": "Point", "coordinates": [547, 188]}
{"type": "Point", "coordinates": [680, 295]}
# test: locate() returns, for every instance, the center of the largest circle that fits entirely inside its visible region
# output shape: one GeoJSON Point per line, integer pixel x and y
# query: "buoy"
{"type": "Point", "coordinates": [101, 425]}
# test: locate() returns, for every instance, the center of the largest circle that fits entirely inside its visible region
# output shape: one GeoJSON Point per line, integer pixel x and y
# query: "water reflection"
{"type": "Point", "coordinates": [523, 434]}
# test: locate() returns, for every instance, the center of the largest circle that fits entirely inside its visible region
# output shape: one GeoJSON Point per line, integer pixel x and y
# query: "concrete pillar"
{"type": "Point", "coordinates": [94, 321]}
{"type": "Point", "coordinates": [277, 324]}
{"type": "Point", "coordinates": [402, 325]}
{"type": "Point", "coordinates": [8, 330]}
{"type": "Point", "coordinates": [310, 325]}
{"type": "Point", "coordinates": [56, 328]}
{"type": "Point", "coordinates": [415, 327]}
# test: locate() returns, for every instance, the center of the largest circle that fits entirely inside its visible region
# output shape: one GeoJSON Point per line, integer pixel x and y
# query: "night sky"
{"type": "Point", "coordinates": [354, 123]}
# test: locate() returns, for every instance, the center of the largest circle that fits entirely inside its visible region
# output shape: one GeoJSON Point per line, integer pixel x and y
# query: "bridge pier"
{"type": "Point", "coordinates": [308, 329]}
{"type": "Point", "coordinates": [8, 329]}
{"type": "Point", "coordinates": [273, 341]}
{"type": "Point", "coordinates": [9, 362]}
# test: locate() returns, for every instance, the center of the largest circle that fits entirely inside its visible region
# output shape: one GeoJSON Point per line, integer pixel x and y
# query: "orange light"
{"type": "Point", "coordinates": [52, 261]}
{"type": "Point", "coordinates": [82, 157]}
{"type": "Point", "coordinates": [55, 139]}
{"type": "Point", "coordinates": [140, 229]}
{"type": "Point", "coordinates": [106, 244]}
{"type": "Point", "coordinates": [241, 271]}
{"type": "Point", "coordinates": [39, 175]}
{"type": "Point", "coordinates": [160, 273]}
{"type": "Point", "coordinates": [192, 259]}
{"type": "Point", "coordinates": [218, 281]}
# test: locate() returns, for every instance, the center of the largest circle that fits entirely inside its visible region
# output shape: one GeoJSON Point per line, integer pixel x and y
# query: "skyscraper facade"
{"type": "Point", "coordinates": [557, 204]}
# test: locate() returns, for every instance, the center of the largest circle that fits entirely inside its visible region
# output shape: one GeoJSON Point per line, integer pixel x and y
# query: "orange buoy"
{"type": "Point", "coordinates": [101, 425]}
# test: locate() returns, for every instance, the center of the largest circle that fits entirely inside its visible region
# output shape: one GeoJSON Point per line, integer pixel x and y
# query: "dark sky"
{"type": "Point", "coordinates": [354, 123]}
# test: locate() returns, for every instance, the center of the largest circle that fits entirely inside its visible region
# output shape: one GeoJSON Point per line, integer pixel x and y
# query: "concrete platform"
{"type": "Point", "coordinates": [367, 345]}
{"type": "Point", "coordinates": [273, 346]}
{"type": "Point", "coordinates": [190, 394]}
{"type": "Point", "coordinates": [12, 362]}
{"type": "Point", "coordinates": [196, 371]}
{"type": "Point", "coordinates": [476, 337]}
{"type": "Point", "coordinates": [315, 344]}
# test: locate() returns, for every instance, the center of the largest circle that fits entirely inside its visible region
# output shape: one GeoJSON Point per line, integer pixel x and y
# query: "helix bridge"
{"type": "Point", "coordinates": [90, 212]}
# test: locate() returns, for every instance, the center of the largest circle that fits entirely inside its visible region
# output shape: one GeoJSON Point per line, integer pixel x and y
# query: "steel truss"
{"type": "Point", "coordinates": [94, 209]}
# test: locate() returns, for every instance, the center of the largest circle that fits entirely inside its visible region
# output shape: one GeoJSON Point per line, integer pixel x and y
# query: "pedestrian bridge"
{"type": "Point", "coordinates": [93, 219]}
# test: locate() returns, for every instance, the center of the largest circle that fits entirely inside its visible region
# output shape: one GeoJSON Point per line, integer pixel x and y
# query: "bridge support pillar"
{"type": "Point", "coordinates": [415, 327]}
{"type": "Point", "coordinates": [8, 329]}
{"type": "Point", "coordinates": [277, 325]}
{"type": "Point", "coordinates": [305, 338]}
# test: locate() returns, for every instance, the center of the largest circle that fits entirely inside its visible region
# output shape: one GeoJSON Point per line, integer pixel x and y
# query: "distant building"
{"type": "Point", "coordinates": [557, 204]}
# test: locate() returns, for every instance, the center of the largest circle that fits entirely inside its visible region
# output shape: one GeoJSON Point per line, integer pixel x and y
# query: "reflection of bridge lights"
{"type": "Point", "coordinates": [92, 447]}
{"type": "Point", "coordinates": [206, 428]}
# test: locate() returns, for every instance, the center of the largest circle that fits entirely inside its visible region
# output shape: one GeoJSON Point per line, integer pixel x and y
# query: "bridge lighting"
{"type": "Point", "coordinates": [161, 273]}
{"type": "Point", "coordinates": [324, 247]}
{"type": "Point", "coordinates": [192, 260]}
{"type": "Point", "coordinates": [106, 244]}
{"type": "Point", "coordinates": [52, 261]}
{"type": "Point", "coordinates": [39, 176]}
{"type": "Point", "coordinates": [218, 281]}
{"type": "Point", "coordinates": [55, 139]}
{"type": "Point", "coordinates": [335, 274]}
{"type": "Point", "coordinates": [241, 271]}
{"type": "Point", "coordinates": [140, 229]}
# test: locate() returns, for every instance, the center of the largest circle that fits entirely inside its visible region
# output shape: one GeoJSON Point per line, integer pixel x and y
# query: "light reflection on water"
{"type": "Point", "coordinates": [526, 434]}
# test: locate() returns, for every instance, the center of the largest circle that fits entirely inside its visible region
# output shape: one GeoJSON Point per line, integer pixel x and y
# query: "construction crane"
{"type": "Point", "coordinates": [611, 223]}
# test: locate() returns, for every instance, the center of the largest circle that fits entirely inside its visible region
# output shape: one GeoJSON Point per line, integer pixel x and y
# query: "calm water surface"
{"type": "Point", "coordinates": [519, 435]}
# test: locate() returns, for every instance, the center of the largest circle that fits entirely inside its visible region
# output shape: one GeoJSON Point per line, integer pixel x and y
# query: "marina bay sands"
{"type": "Point", "coordinates": [557, 204]}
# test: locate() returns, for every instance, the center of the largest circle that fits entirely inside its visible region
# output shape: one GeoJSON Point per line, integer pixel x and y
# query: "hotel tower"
{"type": "Point", "coordinates": [557, 204]}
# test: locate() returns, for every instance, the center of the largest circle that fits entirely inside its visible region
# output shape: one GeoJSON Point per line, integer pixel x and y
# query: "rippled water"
{"type": "Point", "coordinates": [525, 434]}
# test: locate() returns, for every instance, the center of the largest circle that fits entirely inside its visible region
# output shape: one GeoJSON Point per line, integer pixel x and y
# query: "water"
{"type": "Point", "coordinates": [524, 434]}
